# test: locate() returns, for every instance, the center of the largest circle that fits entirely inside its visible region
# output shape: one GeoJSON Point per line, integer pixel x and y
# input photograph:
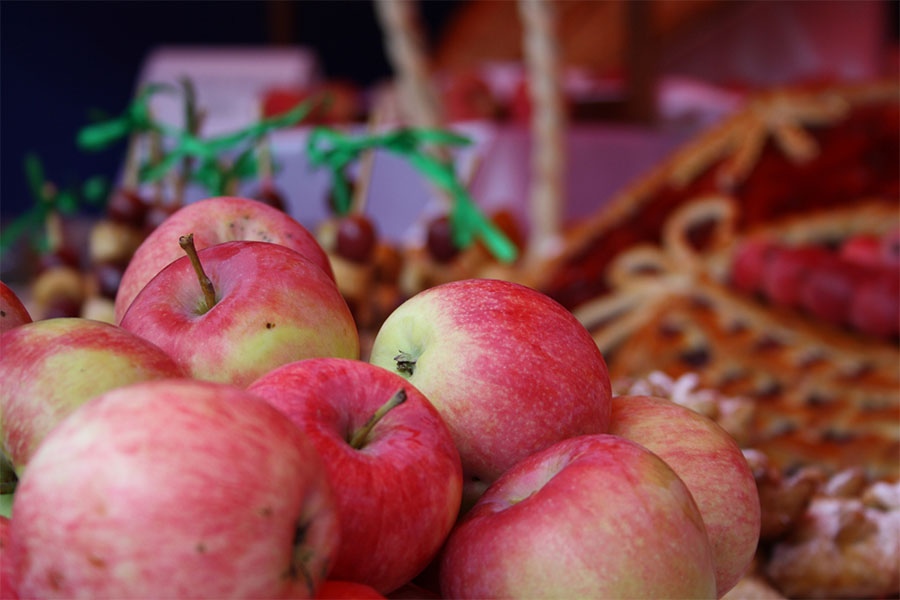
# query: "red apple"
{"type": "Point", "coordinates": [6, 573]}
{"type": "Point", "coordinates": [346, 590]}
{"type": "Point", "coordinates": [510, 370]}
{"type": "Point", "coordinates": [398, 487]}
{"type": "Point", "coordinates": [51, 367]}
{"type": "Point", "coordinates": [411, 591]}
{"type": "Point", "coordinates": [214, 221]}
{"type": "Point", "coordinates": [12, 312]}
{"type": "Point", "coordinates": [594, 516]}
{"type": "Point", "coordinates": [173, 489]}
{"type": "Point", "coordinates": [268, 306]}
{"type": "Point", "coordinates": [711, 465]}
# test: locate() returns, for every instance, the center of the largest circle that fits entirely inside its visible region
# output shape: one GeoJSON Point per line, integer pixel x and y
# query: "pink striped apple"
{"type": "Point", "coordinates": [594, 516]}
{"type": "Point", "coordinates": [51, 367]}
{"type": "Point", "coordinates": [510, 370]}
{"type": "Point", "coordinates": [213, 221]}
{"type": "Point", "coordinates": [391, 461]}
{"type": "Point", "coordinates": [712, 467]}
{"type": "Point", "coordinates": [347, 590]}
{"type": "Point", "coordinates": [7, 591]}
{"type": "Point", "coordinates": [173, 489]}
{"type": "Point", "coordinates": [266, 306]}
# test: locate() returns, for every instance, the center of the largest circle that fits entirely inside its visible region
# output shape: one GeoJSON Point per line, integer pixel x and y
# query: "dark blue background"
{"type": "Point", "coordinates": [61, 60]}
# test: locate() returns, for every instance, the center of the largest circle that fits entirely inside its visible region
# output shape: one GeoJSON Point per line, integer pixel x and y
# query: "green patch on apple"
{"type": "Point", "coordinates": [6, 502]}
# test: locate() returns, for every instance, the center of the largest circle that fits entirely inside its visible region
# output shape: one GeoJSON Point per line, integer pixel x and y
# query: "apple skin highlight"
{"type": "Point", "coordinates": [214, 221]}
{"type": "Point", "coordinates": [399, 494]}
{"type": "Point", "coordinates": [273, 307]}
{"type": "Point", "coordinates": [510, 370]}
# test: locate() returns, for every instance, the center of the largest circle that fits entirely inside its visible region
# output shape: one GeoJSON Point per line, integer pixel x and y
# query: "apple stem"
{"type": "Point", "coordinates": [360, 436]}
{"type": "Point", "coordinates": [209, 292]}
{"type": "Point", "coordinates": [406, 364]}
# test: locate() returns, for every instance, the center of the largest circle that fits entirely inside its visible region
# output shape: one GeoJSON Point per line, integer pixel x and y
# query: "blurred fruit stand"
{"type": "Point", "coordinates": [717, 206]}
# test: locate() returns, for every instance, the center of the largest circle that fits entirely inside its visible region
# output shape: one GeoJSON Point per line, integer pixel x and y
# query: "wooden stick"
{"type": "Point", "coordinates": [547, 128]}
{"type": "Point", "coordinates": [366, 165]}
{"type": "Point", "coordinates": [130, 178]}
{"type": "Point", "coordinates": [405, 49]}
{"type": "Point", "coordinates": [156, 153]}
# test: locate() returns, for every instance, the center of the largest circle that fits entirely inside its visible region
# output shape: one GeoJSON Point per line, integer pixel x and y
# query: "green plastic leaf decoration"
{"type": "Point", "coordinates": [135, 119]}
{"type": "Point", "coordinates": [95, 190]}
{"type": "Point", "coordinates": [66, 202]}
{"type": "Point", "coordinates": [335, 150]}
{"type": "Point", "coordinates": [214, 172]}
{"type": "Point", "coordinates": [34, 174]}
{"type": "Point", "coordinates": [30, 221]}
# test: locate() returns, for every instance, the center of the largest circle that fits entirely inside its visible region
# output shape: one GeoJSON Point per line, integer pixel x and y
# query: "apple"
{"type": "Point", "coordinates": [412, 591]}
{"type": "Point", "coordinates": [12, 312]}
{"type": "Point", "coordinates": [593, 516]}
{"type": "Point", "coordinates": [256, 306]}
{"type": "Point", "coordinates": [173, 489]}
{"type": "Point", "coordinates": [213, 221]}
{"type": "Point", "coordinates": [510, 370]}
{"type": "Point", "coordinates": [346, 590]}
{"type": "Point", "coordinates": [6, 574]}
{"type": "Point", "coordinates": [711, 465]}
{"type": "Point", "coordinates": [391, 461]}
{"type": "Point", "coordinates": [51, 367]}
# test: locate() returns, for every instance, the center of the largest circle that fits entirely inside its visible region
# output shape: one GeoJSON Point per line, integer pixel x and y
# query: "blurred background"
{"type": "Point", "coordinates": [647, 64]}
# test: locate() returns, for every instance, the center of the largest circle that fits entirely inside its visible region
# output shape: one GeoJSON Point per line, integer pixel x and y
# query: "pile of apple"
{"type": "Point", "coordinates": [225, 440]}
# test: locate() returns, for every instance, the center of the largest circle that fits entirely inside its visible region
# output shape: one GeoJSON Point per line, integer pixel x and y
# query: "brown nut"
{"type": "Point", "coordinates": [113, 242]}
{"type": "Point", "coordinates": [56, 283]}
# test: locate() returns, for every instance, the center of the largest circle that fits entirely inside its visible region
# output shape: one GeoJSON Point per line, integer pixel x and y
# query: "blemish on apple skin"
{"type": "Point", "coordinates": [55, 579]}
{"type": "Point", "coordinates": [201, 548]}
{"type": "Point", "coordinates": [2, 313]}
{"type": "Point", "coordinates": [270, 325]}
{"type": "Point", "coordinates": [96, 561]}
{"type": "Point", "coordinates": [266, 511]}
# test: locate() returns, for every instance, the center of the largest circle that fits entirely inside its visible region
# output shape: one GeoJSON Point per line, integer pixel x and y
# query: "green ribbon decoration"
{"type": "Point", "coordinates": [136, 118]}
{"type": "Point", "coordinates": [209, 151]}
{"type": "Point", "coordinates": [334, 150]}
{"type": "Point", "coordinates": [213, 173]}
{"type": "Point", "coordinates": [67, 202]}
